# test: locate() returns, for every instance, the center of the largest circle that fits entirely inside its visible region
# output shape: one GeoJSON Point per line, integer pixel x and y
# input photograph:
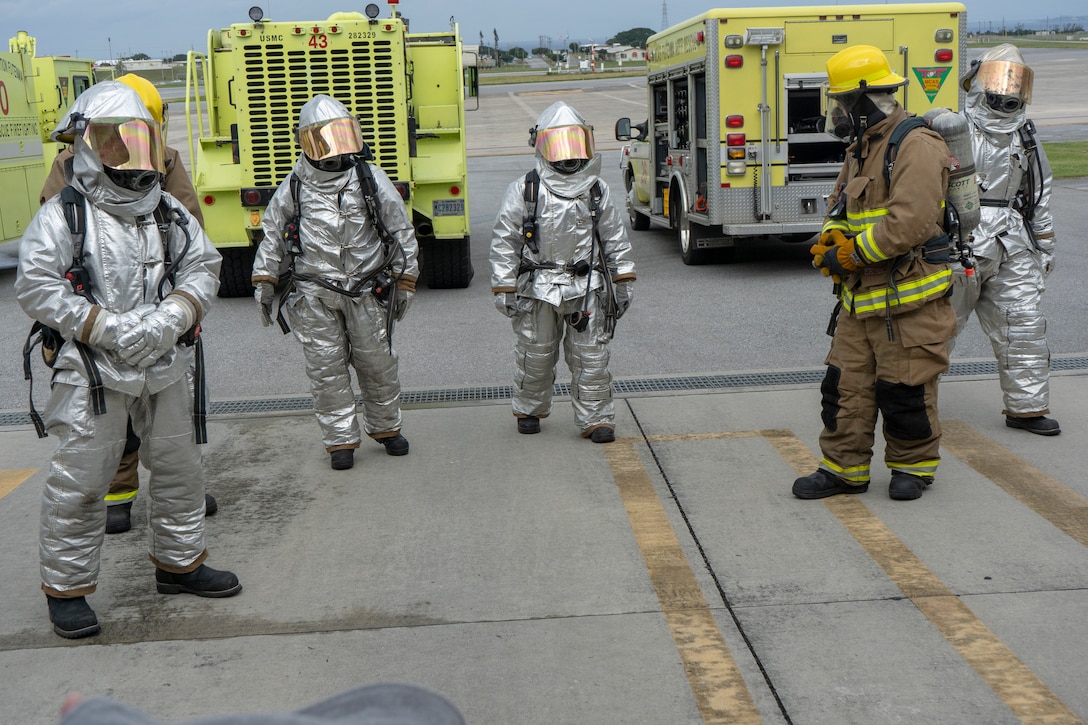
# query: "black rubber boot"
{"type": "Point", "coordinates": [72, 618]}
{"type": "Point", "coordinates": [603, 434]}
{"type": "Point", "coordinates": [119, 518]}
{"type": "Point", "coordinates": [1038, 424]}
{"type": "Point", "coordinates": [906, 487]}
{"type": "Point", "coordinates": [395, 445]}
{"type": "Point", "coordinates": [342, 459]}
{"type": "Point", "coordinates": [822, 484]}
{"type": "Point", "coordinates": [210, 505]}
{"type": "Point", "coordinates": [528, 425]}
{"type": "Point", "coordinates": [202, 581]}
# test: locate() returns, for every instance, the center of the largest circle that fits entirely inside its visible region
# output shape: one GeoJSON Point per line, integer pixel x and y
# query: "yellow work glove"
{"type": "Point", "coordinates": [835, 255]}
{"type": "Point", "coordinates": [819, 251]}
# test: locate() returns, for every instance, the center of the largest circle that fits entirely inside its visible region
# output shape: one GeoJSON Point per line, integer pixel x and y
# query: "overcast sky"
{"type": "Point", "coordinates": [101, 29]}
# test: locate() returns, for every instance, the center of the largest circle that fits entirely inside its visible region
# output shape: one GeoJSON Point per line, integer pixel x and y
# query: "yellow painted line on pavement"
{"type": "Point", "coordinates": [1054, 501]}
{"type": "Point", "coordinates": [12, 479]}
{"type": "Point", "coordinates": [1017, 686]}
{"type": "Point", "coordinates": [713, 675]}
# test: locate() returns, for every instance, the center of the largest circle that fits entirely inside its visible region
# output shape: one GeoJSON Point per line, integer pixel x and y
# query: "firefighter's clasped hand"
{"type": "Point", "coordinates": [835, 255]}
{"type": "Point", "coordinates": [158, 332]}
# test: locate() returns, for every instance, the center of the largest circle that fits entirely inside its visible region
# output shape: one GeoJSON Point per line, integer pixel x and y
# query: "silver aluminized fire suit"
{"type": "Point", "coordinates": [341, 246]}
{"type": "Point", "coordinates": [124, 257]}
{"type": "Point", "coordinates": [1014, 248]}
{"type": "Point", "coordinates": [546, 296]}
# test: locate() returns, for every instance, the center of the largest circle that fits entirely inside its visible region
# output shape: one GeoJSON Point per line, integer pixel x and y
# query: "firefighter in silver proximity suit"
{"type": "Point", "coordinates": [1014, 243]}
{"type": "Point", "coordinates": [561, 269]}
{"type": "Point", "coordinates": [142, 291]}
{"type": "Point", "coordinates": [353, 269]}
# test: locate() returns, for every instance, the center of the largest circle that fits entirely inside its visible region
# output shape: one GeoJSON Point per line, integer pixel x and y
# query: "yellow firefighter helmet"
{"type": "Point", "coordinates": [147, 92]}
{"type": "Point", "coordinates": [860, 67]}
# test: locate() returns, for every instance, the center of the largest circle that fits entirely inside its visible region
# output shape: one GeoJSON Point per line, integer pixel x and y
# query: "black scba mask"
{"type": "Point", "coordinates": [333, 164]}
{"type": "Point", "coordinates": [134, 179]}
{"type": "Point", "coordinates": [569, 166]}
{"type": "Point", "coordinates": [849, 115]}
{"type": "Point", "coordinates": [1004, 104]}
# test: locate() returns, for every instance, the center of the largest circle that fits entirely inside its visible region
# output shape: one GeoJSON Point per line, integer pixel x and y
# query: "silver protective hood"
{"type": "Point", "coordinates": [322, 108]}
{"type": "Point", "coordinates": [108, 99]}
{"type": "Point", "coordinates": [980, 113]}
{"type": "Point", "coordinates": [569, 186]}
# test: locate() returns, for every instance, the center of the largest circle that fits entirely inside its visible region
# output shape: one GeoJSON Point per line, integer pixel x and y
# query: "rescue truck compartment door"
{"type": "Point", "coordinates": [813, 154]}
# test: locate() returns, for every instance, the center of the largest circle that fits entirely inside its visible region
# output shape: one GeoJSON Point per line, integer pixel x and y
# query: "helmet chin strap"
{"type": "Point", "coordinates": [864, 114]}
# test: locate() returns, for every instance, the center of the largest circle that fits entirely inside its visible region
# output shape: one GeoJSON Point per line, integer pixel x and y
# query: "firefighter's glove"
{"type": "Point", "coordinates": [820, 248]}
{"type": "Point", "coordinates": [506, 303]}
{"type": "Point", "coordinates": [402, 298]}
{"type": "Point", "coordinates": [837, 258]}
{"type": "Point", "coordinates": [158, 332]}
{"type": "Point", "coordinates": [109, 327]}
{"type": "Point", "coordinates": [264, 293]}
{"type": "Point", "coordinates": [624, 290]}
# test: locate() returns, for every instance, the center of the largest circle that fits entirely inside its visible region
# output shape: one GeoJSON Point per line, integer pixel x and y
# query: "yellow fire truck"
{"type": "Point", "coordinates": [407, 89]}
{"type": "Point", "coordinates": [734, 145]}
{"type": "Point", "coordinates": [34, 93]}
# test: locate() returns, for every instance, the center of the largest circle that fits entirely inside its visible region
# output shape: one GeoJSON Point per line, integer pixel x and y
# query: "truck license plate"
{"type": "Point", "coordinates": [449, 207]}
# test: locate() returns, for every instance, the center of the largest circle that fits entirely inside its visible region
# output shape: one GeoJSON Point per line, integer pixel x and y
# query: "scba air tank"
{"type": "Point", "coordinates": [962, 195]}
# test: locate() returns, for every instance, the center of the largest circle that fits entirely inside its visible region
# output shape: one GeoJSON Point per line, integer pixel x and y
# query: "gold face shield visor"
{"type": "Point", "coordinates": [1003, 78]}
{"type": "Point", "coordinates": [126, 143]}
{"type": "Point", "coordinates": [565, 143]}
{"type": "Point", "coordinates": [337, 137]}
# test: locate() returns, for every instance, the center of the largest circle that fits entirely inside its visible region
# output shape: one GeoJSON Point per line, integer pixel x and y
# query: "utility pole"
{"type": "Point", "coordinates": [664, 14]}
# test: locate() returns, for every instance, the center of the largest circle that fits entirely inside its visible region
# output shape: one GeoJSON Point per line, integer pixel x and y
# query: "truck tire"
{"type": "Point", "coordinates": [236, 273]}
{"type": "Point", "coordinates": [446, 263]}
{"type": "Point", "coordinates": [639, 221]}
{"type": "Point", "coordinates": [687, 233]}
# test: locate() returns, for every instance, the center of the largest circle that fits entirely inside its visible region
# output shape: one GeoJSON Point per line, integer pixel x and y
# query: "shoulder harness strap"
{"type": "Point", "coordinates": [528, 224]}
{"type": "Point", "coordinates": [892, 150]}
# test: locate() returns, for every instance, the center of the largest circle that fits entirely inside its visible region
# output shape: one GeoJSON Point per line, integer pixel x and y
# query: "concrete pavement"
{"type": "Point", "coordinates": [667, 578]}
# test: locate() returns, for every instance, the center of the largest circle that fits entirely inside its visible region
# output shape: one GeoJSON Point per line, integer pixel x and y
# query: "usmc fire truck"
{"type": "Point", "coordinates": [734, 145]}
{"type": "Point", "coordinates": [35, 92]}
{"type": "Point", "coordinates": [407, 89]}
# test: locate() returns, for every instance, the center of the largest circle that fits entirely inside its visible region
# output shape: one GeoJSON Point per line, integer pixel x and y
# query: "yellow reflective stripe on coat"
{"type": "Point", "coordinates": [868, 250]}
{"type": "Point", "coordinates": [862, 223]}
{"type": "Point", "coordinates": [839, 224]}
{"type": "Point", "coordinates": [931, 286]}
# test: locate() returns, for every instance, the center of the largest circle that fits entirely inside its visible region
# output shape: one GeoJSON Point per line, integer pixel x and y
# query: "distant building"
{"type": "Point", "coordinates": [614, 52]}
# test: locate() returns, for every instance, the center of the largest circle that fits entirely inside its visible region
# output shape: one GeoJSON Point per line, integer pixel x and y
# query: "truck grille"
{"type": "Point", "coordinates": [279, 81]}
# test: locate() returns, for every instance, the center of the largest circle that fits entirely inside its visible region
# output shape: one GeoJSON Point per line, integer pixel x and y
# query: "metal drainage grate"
{"type": "Point", "coordinates": [620, 387]}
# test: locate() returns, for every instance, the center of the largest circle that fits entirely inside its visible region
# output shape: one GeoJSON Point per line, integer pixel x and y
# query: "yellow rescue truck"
{"type": "Point", "coordinates": [407, 89]}
{"type": "Point", "coordinates": [35, 92]}
{"type": "Point", "coordinates": [734, 145]}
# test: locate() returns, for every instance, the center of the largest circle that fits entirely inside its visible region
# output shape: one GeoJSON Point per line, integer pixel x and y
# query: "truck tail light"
{"type": "Point", "coordinates": [735, 143]}
{"type": "Point", "coordinates": [943, 55]}
{"type": "Point", "coordinates": [734, 61]}
{"type": "Point", "coordinates": [402, 187]}
{"type": "Point", "coordinates": [257, 196]}
{"type": "Point", "coordinates": [734, 121]}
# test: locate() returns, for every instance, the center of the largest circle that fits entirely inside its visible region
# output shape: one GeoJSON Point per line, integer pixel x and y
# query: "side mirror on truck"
{"type": "Point", "coordinates": [627, 132]}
